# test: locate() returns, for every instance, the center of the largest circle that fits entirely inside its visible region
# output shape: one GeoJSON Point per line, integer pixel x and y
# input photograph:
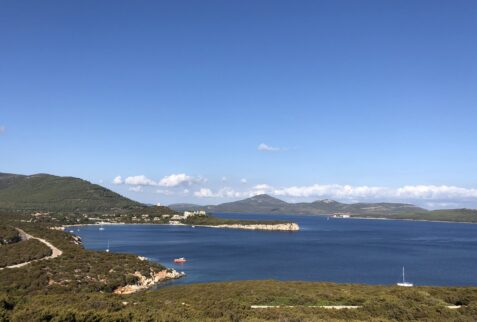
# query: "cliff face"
{"type": "Point", "coordinates": [145, 282]}
{"type": "Point", "coordinates": [278, 227]}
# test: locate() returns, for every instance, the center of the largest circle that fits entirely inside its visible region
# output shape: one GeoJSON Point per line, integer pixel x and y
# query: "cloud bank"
{"type": "Point", "coordinates": [425, 192]}
{"type": "Point", "coordinates": [351, 193]}
{"type": "Point", "coordinates": [182, 184]}
{"type": "Point", "coordinates": [225, 192]}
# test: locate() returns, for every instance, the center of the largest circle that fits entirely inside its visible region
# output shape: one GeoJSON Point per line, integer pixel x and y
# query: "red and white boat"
{"type": "Point", "coordinates": [180, 260]}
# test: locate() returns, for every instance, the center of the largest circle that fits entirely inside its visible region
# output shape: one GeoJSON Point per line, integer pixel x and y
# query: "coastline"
{"type": "Point", "coordinates": [352, 217]}
{"type": "Point", "coordinates": [250, 227]}
{"type": "Point", "coordinates": [408, 219]}
{"type": "Point", "coordinates": [275, 227]}
{"type": "Point", "coordinates": [272, 227]}
{"type": "Point", "coordinates": [145, 283]}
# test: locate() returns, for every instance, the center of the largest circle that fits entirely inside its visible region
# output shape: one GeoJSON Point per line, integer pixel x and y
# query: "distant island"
{"type": "Point", "coordinates": [265, 204]}
{"type": "Point", "coordinates": [65, 201]}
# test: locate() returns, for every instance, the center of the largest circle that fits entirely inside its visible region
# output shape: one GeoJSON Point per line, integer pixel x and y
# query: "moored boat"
{"type": "Point", "coordinates": [404, 283]}
{"type": "Point", "coordinates": [180, 260]}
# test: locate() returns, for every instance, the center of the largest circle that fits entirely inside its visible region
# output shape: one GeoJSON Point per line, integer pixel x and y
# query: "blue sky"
{"type": "Point", "coordinates": [355, 100]}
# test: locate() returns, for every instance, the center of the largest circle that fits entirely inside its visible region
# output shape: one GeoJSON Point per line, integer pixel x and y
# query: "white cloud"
{"type": "Point", "coordinates": [180, 179]}
{"type": "Point", "coordinates": [267, 148]}
{"type": "Point", "coordinates": [262, 186]}
{"type": "Point", "coordinates": [334, 190]}
{"type": "Point", "coordinates": [172, 180]}
{"type": "Point", "coordinates": [136, 188]}
{"type": "Point", "coordinates": [139, 181]}
{"type": "Point", "coordinates": [225, 192]}
{"type": "Point", "coordinates": [243, 181]}
{"type": "Point", "coordinates": [436, 192]}
{"type": "Point", "coordinates": [118, 180]}
{"type": "Point", "coordinates": [204, 193]}
{"type": "Point", "coordinates": [261, 189]}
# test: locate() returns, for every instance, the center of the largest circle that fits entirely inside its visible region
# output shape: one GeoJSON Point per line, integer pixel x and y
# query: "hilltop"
{"type": "Point", "coordinates": [50, 193]}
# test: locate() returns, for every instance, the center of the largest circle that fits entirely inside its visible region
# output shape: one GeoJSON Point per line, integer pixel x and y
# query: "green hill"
{"type": "Point", "coordinates": [457, 215]}
{"type": "Point", "coordinates": [44, 192]}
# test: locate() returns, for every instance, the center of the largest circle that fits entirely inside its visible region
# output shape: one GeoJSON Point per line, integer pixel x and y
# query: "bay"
{"type": "Point", "coordinates": [325, 249]}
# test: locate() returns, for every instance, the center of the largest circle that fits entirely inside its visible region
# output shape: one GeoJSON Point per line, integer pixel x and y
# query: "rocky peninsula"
{"type": "Point", "coordinates": [144, 282]}
{"type": "Point", "coordinates": [271, 227]}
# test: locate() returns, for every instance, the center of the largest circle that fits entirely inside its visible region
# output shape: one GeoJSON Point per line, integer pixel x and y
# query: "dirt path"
{"type": "Point", "coordinates": [334, 307]}
{"type": "Point", "coordinates": [55, 252]}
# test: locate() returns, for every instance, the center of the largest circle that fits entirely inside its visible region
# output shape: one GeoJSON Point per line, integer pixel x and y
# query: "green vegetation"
{"type": "Point", "coordinates": [8, 235]}
{"type": "Point", "coordinates": [43, 192]}
{"type": "Point", "coordinates": [232, 301]}
{"type": "Point", "coordinates": [76, 270]}
{"type": "Point", "coordinates": [23, 252]}
{"type": "Point", "coordinates": [455, 215]}
{"type": "Point", "coordinates": [214, 221]}
{"type": "Point", "coordinates": [67, 197]}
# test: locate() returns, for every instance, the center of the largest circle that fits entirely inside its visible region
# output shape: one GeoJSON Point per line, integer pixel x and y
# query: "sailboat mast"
{"type": "Point", "coordinates": [403, 280]}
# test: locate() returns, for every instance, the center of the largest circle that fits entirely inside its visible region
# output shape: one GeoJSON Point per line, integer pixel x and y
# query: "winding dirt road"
{"type": "Point", "coordinates": [55, 252]}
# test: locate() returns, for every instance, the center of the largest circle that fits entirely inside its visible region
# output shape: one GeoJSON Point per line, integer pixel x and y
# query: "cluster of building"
{"type": "Point", "coordinates": [188, 214]}
{"type": "Point", "coordinates": [341, 216]}
{"type": "Point", "coordinates": [147, 218]}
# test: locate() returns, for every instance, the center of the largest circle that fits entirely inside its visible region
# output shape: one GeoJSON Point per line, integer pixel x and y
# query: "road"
{"type": "Point", "coordinates": [55, 252]}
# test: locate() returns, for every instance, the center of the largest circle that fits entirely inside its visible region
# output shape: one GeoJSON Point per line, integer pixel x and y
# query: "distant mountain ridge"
{"type": "Point", "coordinates": [269, 205]}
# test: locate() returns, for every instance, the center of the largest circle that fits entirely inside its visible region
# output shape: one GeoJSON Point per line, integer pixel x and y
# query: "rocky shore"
{"type": "Point", "coordinates": [147, 282]}
{"type": "Point", "coordinates": [271, 227]}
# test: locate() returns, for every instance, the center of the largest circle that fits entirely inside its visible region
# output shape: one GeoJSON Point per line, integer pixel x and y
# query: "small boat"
{"type": "Point", "coordinates": [71, 231]}
{"type": "Point", "coordinates": [404, 283]}
{"type": "Point", "coordinates": [180, 260]}
{"type": "Point", "coordinates": [107, 249]}
{"type": "Point", "coordinates": [101, 228]}
{"type": "Point", "coordinates": [193, 226]}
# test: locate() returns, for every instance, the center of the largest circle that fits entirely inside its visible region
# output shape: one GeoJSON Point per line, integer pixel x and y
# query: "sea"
{"type": "Point", "coordinates": [342, 250]}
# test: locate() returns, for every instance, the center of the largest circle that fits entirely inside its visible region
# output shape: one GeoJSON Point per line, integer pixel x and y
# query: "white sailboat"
{"type": "Point", "coordinates": [107, 249]}
{"type": "Point", "coordinates": [101, 227]}
{"type": "Point", "coordinates": [404, 283]}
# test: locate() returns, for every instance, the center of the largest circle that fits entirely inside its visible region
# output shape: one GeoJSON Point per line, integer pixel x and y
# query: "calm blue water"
{"type": "Point", "coordinates": [337, 250]}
